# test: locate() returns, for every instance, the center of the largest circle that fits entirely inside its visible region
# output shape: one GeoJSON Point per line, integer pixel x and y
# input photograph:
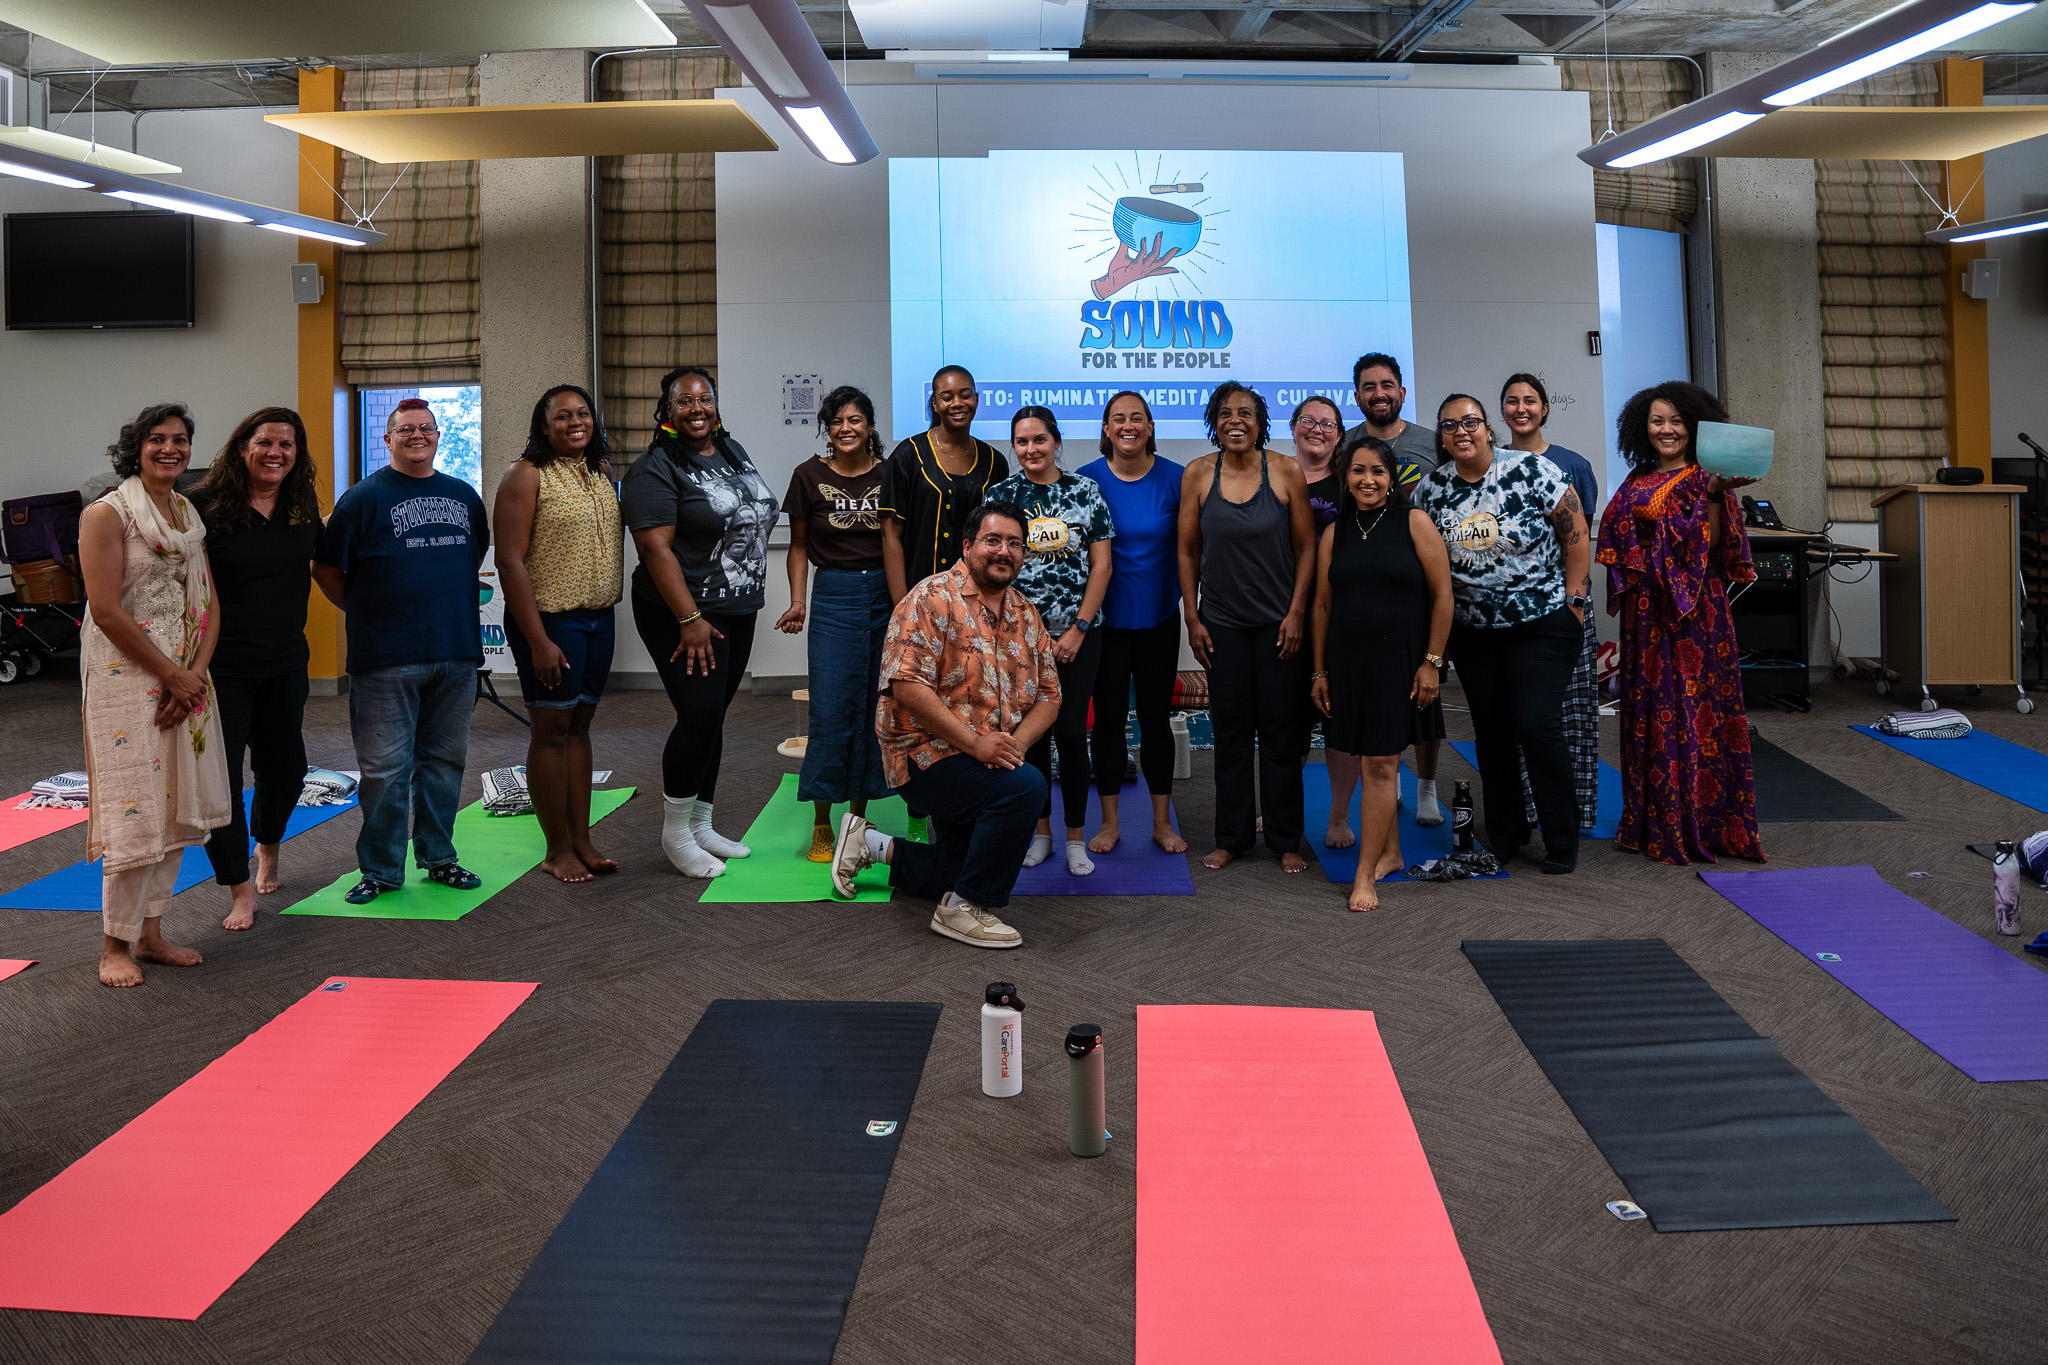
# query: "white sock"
{"type": "Point", "coordinates": [678, 843]}
{"type": "Point", "coordinates": [709, 839]}
{"type": "Point", "coordinates": [1041, 849]}
{"type": "Point", "coordinates": [1427, 811]}
{"type": "Point", "coordinates": [1078, 861]}
{"type": "Point", "coordinates": [878, 844]}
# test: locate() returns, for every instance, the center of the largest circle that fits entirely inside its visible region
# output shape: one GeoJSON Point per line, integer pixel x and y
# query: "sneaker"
{"type": "Point", "coordinates": [974, 926]}
{"type": "Point", "coordinates": [455, 876]}
{"type": "Point", "coordinates": [849, 854]}
{"type": "Point", "coordinates": [364, 891]}
{"type": "Point", "coordinates": [821, 844]}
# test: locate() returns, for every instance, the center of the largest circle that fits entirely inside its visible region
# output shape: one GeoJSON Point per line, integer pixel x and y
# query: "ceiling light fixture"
{"type": "Point", "coordinates": [179, 205]}
{"type": "Point", "coordinates": [2011, 225]}
{"type": "Point", "coordinates": [1898, 35]}
{"type": "Point", "coordinates": [972, 54]}
{"type": "Point", "coordinates": [295, 230]}
{"type": "Point", "coordinates": [775, 47]}
{"type": "Point", "coordinates": [47, 177]}
{"type": "Point", "coordinates": [819, 132]}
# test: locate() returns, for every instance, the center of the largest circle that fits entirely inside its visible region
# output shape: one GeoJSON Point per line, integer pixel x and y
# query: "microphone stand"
{"type": "Point", "coordinates": [2037, 520]}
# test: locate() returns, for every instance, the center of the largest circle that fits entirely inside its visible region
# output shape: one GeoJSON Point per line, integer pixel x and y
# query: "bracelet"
{"type": "Point", "coordinates": [1319, 673]}
{"type": "Point", "coordinates": [693, 616]}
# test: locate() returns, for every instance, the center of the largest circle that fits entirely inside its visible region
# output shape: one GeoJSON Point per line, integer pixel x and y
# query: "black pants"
{"type": "Point", "coordinates": [1070, 731]}
{"type": "Point", "coordinates": [1150, 659]}
{"type": "Point", "coordinates": [981, 823]}
{"type": "Point", "coordinates": [1257, 700]}
{"type": "Point", "coordinates": [689, 761]}
{"type": "Point", "coordinates": [1515, 680]}
{"type": "Point", "coordinates": [265, 716]}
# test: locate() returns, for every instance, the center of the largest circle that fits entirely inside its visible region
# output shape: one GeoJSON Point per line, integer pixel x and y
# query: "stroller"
{"type": "Point", "coordinates": [39, 532]}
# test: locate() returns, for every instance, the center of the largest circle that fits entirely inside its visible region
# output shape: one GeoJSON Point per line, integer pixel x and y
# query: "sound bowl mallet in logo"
{"type": "Point", "coordinates": [1150, 232]}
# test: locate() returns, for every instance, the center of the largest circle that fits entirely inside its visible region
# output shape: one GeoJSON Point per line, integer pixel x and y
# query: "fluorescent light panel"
{"type": "Point", "coordinates": [1905, 50]}
{"type": "Point", "coordinates": [747, 33]}
{"type": "Point", "coordinates": [812, 123]}
{"type": "Point", "coordinates": [165, 201]}
{"type": "Point", "coordinates": [297, 231]}
{"type": "Point", "coordinates": [47, 177]}
{"type": "Point", "coordinates": [1678, 144]}
{"type": "Point", "coordinates": [2010, 225]}
{"type": "Point", "coordinates": [2002, 232]}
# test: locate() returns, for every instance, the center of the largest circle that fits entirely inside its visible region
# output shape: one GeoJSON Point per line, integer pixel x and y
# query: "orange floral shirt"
{"type": "Point", "coordinates": [990, 666]}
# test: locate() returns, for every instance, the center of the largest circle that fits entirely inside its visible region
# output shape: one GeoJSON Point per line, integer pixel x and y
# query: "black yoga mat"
{"type": "Point", "coordinates": [1702, 1118]}
{"type": "Point", "coordinates": [729, 1220]}
{"type": "Point", "coordinates": [1791, 789]}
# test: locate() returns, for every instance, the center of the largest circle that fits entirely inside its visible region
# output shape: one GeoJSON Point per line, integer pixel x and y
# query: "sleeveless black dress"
{"type": "Point", "coordinates": [1379, 631]}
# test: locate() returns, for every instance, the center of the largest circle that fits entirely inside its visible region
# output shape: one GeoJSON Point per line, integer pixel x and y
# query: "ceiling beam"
{"type": "Point", "coordinates": [1245, 23]}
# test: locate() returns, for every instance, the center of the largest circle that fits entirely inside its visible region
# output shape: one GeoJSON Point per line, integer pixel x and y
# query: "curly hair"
{"type": "Point", "coordinates": [839, 400]}
{"type": "Point", "coordinates": [126, 451]}
{"type": "Point", "coordinates": [1397, 496]}
{"type": "Point", "coordinates": [540, 451]}
{"type": "Point", "coordinates": [1632, 430]}
{"type": "Point", "coordinates": [1151, 441]}
{"type": "Point", "coordinates": [1214, 411]}
{"type": "Point", "coordinates": [1443, 452]}
{"type": "Point", "coordinates": [226, 487]}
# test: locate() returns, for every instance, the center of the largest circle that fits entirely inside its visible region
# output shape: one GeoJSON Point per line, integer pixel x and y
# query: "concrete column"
{"type": "Point", "coordinates": [1767, 301]}
{"type": "Point", "coordinates": [535, 259]}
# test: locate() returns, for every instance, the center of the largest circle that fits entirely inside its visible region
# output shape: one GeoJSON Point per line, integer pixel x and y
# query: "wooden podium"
{"type": "Point", "coordinates": [1951, 603]}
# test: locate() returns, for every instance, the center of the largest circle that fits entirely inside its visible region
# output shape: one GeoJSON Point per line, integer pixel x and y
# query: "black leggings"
{"type": "Point", "coordinates": [1259, 708]}
{"type": "Point", "coordinates": [1070, 731]}
{"type": "Point", "coordinates": [1515, 679]}
{"type": "Point", "coordinates": [263, 716]}
{"type": "Point", "coordinates": [689, 761]}
{"type": "Point", "coordinates": [1150, 659]}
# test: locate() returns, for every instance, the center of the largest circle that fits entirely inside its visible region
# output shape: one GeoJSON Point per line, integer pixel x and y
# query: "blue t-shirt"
{"type": "Point", "coordinates": [410, 548]}
{"type": "Point", "coordinates": [1579, 470]}
{"type": "Point", "coordinates": [1144, 559]}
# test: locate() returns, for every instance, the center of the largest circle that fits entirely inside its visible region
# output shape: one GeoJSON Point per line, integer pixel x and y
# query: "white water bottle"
{"type": "Point", "coordinates": [2005, 887]}
{"type": "Point", "coordinates": [1002, 1041]}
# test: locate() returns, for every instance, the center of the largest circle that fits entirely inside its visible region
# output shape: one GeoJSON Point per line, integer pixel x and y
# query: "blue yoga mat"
{"type": "Point", "coordinates": [1609, 813]}
{"type": "Point", "coordinates": [77, 887]}
{"type": "Point", "coordinates": [1340, 865]}
{"type": "Point", "coordinates": [1996, 765]}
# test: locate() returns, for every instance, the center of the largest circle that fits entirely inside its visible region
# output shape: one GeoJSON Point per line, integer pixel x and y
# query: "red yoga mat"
{"type": "Point", "coordinates": [1285, 1208]}
{"type": "Point", "coordinates": [9, 966]}
{"type": "Point", "coordinates": [254, 1141]}
{"type": "Point", "coordinates": [18, 827]}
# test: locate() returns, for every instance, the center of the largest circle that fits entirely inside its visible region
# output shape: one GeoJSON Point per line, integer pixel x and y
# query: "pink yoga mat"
{"type": "Point", "coordinates": [254, 1140]}
{"type": "Point", "coordinates": [1285, 1208]}
{"type": "Point", "coordinates": [18, 827]}
{"type": "Point", "coordinates": [10, 966]}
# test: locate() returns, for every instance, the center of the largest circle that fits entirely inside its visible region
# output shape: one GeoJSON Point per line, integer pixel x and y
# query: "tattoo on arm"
{"type": "Point", "coordinates": [1562, 516]}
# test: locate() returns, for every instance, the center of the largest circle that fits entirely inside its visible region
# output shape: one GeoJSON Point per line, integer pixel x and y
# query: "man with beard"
{"type": "Point", "coordinates": [968, 684]}
{"type": "Point", "coordinates": [1376, 383]}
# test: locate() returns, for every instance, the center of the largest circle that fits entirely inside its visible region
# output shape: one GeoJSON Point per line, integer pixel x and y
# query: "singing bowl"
{"type": "Point", "coordinates": [1734, 452]}
{"type": "Point", "coordinates": [1137, 221]}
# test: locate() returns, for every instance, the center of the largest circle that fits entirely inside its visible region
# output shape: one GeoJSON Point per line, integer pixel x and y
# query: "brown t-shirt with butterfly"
{"type": "Point", "coordinates": [841, 516]}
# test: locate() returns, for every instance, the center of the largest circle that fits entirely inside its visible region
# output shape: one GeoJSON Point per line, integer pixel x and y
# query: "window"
{"type": "Point", "coordinates": [1642, 321]}
{"type": "Point", "coordinates": [458, 411]}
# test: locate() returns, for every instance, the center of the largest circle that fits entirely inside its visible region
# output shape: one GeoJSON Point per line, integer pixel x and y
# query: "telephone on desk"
{"type": "Point", "coordinates": [1757, 512]}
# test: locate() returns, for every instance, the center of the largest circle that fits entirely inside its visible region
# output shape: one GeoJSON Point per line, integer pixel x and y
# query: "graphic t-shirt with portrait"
{"type": "Point", "coordinates": [1506, 565]}
{"type": "Point", "coordinates": [841, 515]}
{"type": "Point", "coordinates": [1061, 521]}
{"type": "Point", "coordinates": [722, 512]}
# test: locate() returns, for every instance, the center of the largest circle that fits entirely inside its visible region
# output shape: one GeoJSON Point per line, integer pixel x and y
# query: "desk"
{"type": "Point", "coordinates": [1951, 600]}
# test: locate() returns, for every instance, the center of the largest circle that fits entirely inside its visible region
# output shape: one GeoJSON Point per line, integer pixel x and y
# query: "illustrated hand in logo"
{"type": "Point", "coordinates": [1125, 270]}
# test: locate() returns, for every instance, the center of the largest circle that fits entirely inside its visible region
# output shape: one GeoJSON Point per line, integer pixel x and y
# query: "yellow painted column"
{"type": "Point", "coordinates": [323, 392]}
{"type": "Point", "coordinates": [1966, 320]}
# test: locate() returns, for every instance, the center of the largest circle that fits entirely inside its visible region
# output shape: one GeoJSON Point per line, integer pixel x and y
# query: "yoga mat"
{"type": "Point", "coordinates": [1790, 789]}
{"type": "Point", "coordinates": [1702, 1118]}
{"type": "Point", "coordinates": [1285, 1208]}
{"type": "Point", "coordinates": [14, 966]}
{"type": "Point", "coordinates": [18, 827]}
{"type": "Point", "coordinates": [302, 1099]}
{"type": "Point", "coordinates": [1340, 865]}
{"type": "Point", "coordinates": [498, 848]}
{"type": "Point", "coordinates": [1607, 812]}
{"type": "Point", "coordinates": [77, 887]}
{"type": "Point", "coordinates": [1997, 765]}
{"type": "Point", "coordinates": [1980, 1008]}
{"type": "Point", "coordinates": [1136, 867]}
{"type": "Point", "coordinates": [778, 872]}
{"type": "Point", "coordinates": [728, 1222]}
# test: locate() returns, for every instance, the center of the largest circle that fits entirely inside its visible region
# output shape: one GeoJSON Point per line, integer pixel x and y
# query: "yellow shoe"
{"type": "Point", "coordinates": [821, 844]}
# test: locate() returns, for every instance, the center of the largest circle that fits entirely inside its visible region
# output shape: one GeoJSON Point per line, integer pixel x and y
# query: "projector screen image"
{"type": "Point", "coordinates": [1059, 278]}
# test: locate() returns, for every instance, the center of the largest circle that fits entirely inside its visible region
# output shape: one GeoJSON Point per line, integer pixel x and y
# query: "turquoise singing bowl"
{"type": "Point", "coordinates": [1138, 221]}
{"type": "Point", "coordinates": [1734, 452]}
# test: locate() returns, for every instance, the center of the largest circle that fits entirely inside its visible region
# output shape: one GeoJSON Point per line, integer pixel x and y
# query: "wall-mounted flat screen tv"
{"type": "Point", "coordinates": [87, 271]}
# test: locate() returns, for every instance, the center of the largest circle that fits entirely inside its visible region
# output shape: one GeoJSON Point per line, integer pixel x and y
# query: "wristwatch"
{"type": "Point", "coordinates": [1081, 625]}
{"type": "Point", "coordinates": [1582, 603]}
{"type": "Point", "coordinates": [1436, 659]}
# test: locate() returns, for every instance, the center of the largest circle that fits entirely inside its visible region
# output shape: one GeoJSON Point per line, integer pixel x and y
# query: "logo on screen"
{"type": "Point", "coordinates": [1146, 226]}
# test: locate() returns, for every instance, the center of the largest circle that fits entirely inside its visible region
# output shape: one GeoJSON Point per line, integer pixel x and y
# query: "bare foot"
{"type": "Point", "coordinates": [266, 871]}
{"type": "Point", "coordinates": [1387, 866]}
{"type": "Point", "coordinates": [1365, 898]}
{"type": "Point", "coordinates": [595, 861]}
{"type": "Point", "coordinates": [164, 951]}
{"type": "Point", "coordinates": [1166, 837]}
{"type": "Point", "coordinates": [566, 867]}
{"type": "Point", "coordinates": [118, 969]}
{"type": "Point", "coordinates": [1105, 838]}
{"type": "Point", "coordinates": [1293, 862]}
{"type": "Point", "coordinates": [1222, 857]}
{"type": "Point", "coordinates": [242, 912]}
{"type": "Point", "coordinates": [1339, 834]}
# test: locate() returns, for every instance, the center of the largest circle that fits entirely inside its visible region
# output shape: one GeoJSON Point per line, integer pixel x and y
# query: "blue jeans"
{"type": "Point", "coordinates": [982, 820]}
{"type": "Point", "coordinates": [845, 627]}
{"type": "Point", "coordinates": [411, 728]}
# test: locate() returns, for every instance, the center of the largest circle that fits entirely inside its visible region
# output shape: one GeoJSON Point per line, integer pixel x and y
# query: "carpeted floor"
{"type": "Point", "coordinates": [993, 1242]}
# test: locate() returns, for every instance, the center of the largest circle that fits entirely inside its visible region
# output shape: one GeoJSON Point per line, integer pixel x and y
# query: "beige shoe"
{"type": "Point", "coordinates": [973, 925]}
{"type": "Point", "coordinates": [849, 854]}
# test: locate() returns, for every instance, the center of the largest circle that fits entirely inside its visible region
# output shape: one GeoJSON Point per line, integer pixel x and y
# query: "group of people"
{"type": "Point", "coordinates": [962, 623]}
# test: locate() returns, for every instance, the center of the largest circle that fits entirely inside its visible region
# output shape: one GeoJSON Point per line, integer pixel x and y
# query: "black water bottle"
{"type": "Point", "coordinates": [1461, 819]}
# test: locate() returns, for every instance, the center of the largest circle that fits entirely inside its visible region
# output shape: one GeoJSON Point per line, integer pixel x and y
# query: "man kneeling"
{"type": "Point", "coordinates": [968, 683]}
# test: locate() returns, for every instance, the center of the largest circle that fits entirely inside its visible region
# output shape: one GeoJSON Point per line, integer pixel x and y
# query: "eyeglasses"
{"type": "Point", "coordinates": [1451, 424]}
{"type": "Point", "coordinates": [1315, 424]}
{"type": "Point", "coordinates": [691, 401]}
{"type": "Point", "coordinates": [409, 430]}
{"type": "Point", "coordinates": [994, 542]}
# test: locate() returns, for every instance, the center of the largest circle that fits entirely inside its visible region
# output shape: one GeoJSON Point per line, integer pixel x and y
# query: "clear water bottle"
{"type": "Point", "coordinates": [2005, 887]}
{"type": "Point", "coordinates": [1002, 1041]}
{"type": "Point", "coordinates": [1087, 1111]}
{"type": "Point", "coordinates": [1461, 819]}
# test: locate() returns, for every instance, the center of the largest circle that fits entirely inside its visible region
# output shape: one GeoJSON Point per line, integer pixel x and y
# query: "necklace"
{"type": "Point", "coordinates": [1366, 534]}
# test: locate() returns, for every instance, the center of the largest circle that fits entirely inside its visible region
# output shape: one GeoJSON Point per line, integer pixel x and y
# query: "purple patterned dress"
{"type": "Point", "coordinates": [1687, 791]}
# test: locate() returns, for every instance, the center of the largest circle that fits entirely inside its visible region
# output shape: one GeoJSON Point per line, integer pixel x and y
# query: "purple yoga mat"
{"type": "Point", "coordinates": [1138, 867]}
{"type": "Point", "coordinates": [1980, 1008]}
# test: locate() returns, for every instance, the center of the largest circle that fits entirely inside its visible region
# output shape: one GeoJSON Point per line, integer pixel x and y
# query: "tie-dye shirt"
{"type": "Point", "coordinates": [1506, 565]}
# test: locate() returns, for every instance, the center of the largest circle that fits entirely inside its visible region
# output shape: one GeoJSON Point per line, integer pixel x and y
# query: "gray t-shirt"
{"type": "Point", "coordinates": [1416, 443]}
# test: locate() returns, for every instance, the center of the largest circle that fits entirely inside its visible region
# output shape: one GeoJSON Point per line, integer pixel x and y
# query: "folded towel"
{"type": "Point", "coordinates": [65, 791]}
{"type": "Point", "coordinates": [1942, 724]}
{"type": "Point", "coordinates": [505, 792]}
{"type": "Point", "coordinates": [325, 787]}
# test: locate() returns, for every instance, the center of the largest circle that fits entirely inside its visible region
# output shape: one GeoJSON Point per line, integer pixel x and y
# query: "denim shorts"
{"type": "Point", "coordinates": [585, 638]}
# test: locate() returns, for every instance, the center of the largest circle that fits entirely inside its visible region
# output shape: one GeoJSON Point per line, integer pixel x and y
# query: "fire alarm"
{"type": "Point", "coordinates": [1593, 343]}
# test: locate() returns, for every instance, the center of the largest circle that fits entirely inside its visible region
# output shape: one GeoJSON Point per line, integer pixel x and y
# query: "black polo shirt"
{"type": "Point", "coordinates": [262, 578]}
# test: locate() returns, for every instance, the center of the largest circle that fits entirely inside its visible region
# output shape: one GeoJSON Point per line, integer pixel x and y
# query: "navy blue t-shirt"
{"type": "Point", "coordinates": [1579, 470]}
{"type": "Point", "coordinates": [410, 548]}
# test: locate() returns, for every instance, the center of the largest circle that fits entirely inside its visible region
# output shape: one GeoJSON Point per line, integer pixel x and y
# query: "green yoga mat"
{"type": "Point", "coordinates": [779, 872]}
{"type": "Point", "coordinates": [500, 849]}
